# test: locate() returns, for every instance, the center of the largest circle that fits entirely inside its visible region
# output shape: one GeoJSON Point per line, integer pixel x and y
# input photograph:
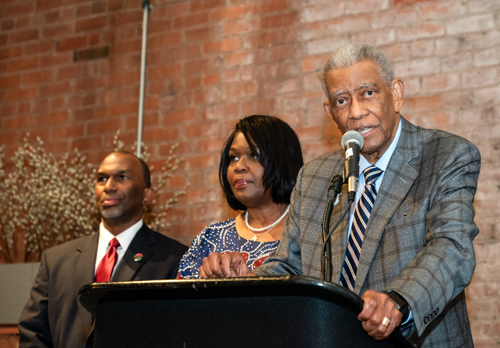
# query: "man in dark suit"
{"type": "Point", "coordinates": [411, 255]}
{"type": "Point", "coordinates": [124, 249]}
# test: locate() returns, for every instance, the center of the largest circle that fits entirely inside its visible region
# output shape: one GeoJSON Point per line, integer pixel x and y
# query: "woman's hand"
{"type": "Point", "coordinates": [218, 265]}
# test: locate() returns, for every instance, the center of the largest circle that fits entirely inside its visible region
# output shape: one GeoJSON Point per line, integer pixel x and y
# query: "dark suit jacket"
{"type": "Point", "coordinates": [54, 318]}
{"type": "Point", "coordinates": [418, 240]}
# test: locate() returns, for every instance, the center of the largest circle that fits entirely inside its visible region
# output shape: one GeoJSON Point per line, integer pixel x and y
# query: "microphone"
{"type": "Point", "coordinates": [352, 142]}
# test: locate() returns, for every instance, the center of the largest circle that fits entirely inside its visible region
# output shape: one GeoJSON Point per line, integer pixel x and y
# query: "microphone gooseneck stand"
{"type": "Point", "coordinates": [333, 192]}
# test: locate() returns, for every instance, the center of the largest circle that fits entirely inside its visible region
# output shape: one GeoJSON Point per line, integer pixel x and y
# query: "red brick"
{"type": "Point", "coordinates": [192, 82]}
{"type": "Point", "coordinates": [321, 13]}
{"type": "Point", "coordinates": [24, 108]}
{"type": "Point", "coordinates": [479, 77]}
{"type": "Point", "coordinates": [19, 122]}
{"type": "Point", "coordinates": [11, 52]}
{"type": "Point", "coordinates": [7, 24]}
{"type": "Point", "coordinates": [125, 78]}
{"type": "Point", "coordinates": [23, 64]}
{"type": "Point", "coordinates": [160, 134]}
{"type": "Point", "coordinates": [398, 17]}
{"type": "Point", "coordinates": [265, 39]}
{"type": "Point", "coordinates": [121, 48]}
{"type": "Point", "coordinates": [89, 83]}
{"type": "Point", "coordinates": [162, 40]}
{"type": "Point", "coordinates": [83, 11]}
{"type": "Point", "coordinates": [22, 36]}
{"type": "Point", "coordinates": [420, 31]}
{"type": "Point", "coordinates": [280, 20]}
{"type": "Point", "coordinates": [57, 103]}
{"type": "Point", "coordinates": [60, 30]}
{"type": "Point", "coordinates": [201, 5]}
{"type": "Point", "coordinates": [35, 48]}
{"type": "Point", "coordinates": [267, 6]}
{"type": "Point", "coordinates": [229, 44]}
{"type": "Point", "coordinates": [98, 7]}
{"type": "Point", "coordinates": [210, 145]}
{"type": "Point", "coordinates": [89, 113]}
{"type": "Point", "coordinates": [102, 127]}
{"type": "Point", "coordinates": [49, 4]}
{"type": "Point", "coordinates": [221, 111]}
{"type": "Point", "coordinates": [17, 9]}
{"type": "Point", "coordinates": [167, 10]}
{"type": "Point", "coordinates": [422, 48]}
{"type": "Point", "coordinates": [282, 52]}
{"type": "Point", "coordinates": [58, 88]}
{"type": "Point", "coordinates": [314, 63]}
{"type": "Point", "coordinates": [70, 72]}
{"type": "Point", "coordinates": [164, 71]}
{"type": "Point", "coordinates": [158, 26]}
{"type": "Point", "coordinates": [241, 26]}
{"type": "Point", "coordinates": [230, 13]}
{"type": "Point", "coordinates": [182, 53]}
{"type": "Point", "coordinates": [176, 116]}
{"type": "Point", "coordinates": [238, 59]}
{"type": "Point", "coordinates": [206, 96]}
{"type": "Point", "coordinates": [71, 43]}
{"type": "Point", "coordinates": [423, 103]}
{"type": "Point", "coordinates": [201, 34]}
{"type": "Point", "coordinates": [9, 81]}
{"type": "Point", "coordinates": [21, 93]}
{"type": "Point", "coordinates": [211, 80]}
{"type": "Point", "coordinates": [260, 107]}
{"type": "Point", "coordinates": [201, 162]}
{"type": "Point", "coordinates": [89, 143]}
{"type": "Point", "coordinates": [417, 67]}
{"type": "Point", "coordinates": [122, 109]}
{"type": "Point", "coordinates": [56, 59]}
{"type": "Point", "coordinates": [349, 25]}
{"type": "Point", "coordinates": [240, 90]}
{"type": "Point", "coordinates": [124, 18]}
{"type": "Point", "coordinates": [58, 117]}
{"type": "Point", "coordinates": [191, 20]}
{"type": "Point", "coordinates": [91, 23]}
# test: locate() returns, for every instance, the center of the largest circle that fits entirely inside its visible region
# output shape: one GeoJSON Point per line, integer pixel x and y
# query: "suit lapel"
{"type": "Point", "coordinates": [84, 273]}
{"type": "Point", "coordinates": [127, 269]}
{"type": "Point", "coordinates": [397, 181]}
{"type": "Point", "coordinates": [339, 237]}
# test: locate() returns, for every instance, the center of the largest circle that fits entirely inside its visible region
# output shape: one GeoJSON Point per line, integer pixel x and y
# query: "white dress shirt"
{"type": "Point", "coordinates": [124, 238]}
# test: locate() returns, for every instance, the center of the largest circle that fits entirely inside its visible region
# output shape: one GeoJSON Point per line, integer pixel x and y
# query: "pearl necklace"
{"type": "Point", "coordinates": [267, 227]}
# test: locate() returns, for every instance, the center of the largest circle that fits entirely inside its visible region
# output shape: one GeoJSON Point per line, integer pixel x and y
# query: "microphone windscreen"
{"type": "Point", "coordinates": [354, 136]}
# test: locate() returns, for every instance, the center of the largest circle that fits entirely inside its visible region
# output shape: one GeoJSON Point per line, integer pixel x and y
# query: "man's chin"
{"type": "Point", "coordinates": [111, 212]}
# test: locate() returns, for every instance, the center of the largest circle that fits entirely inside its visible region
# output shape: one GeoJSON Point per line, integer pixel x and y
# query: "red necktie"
{"type": "Point", "coordinates": [107, 263]}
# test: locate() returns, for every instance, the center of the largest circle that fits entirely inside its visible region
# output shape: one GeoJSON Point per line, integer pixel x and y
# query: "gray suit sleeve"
{"type": "Point", "coordinates": [34, 327]}
{"type": "Point", "coordinates": [287, 257]}
{"type": "Point", "coordinates": [444, 266]}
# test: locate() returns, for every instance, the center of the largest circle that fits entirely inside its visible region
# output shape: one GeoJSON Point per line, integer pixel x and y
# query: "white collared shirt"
{"type": "Point", "coordinates": [124, 238]}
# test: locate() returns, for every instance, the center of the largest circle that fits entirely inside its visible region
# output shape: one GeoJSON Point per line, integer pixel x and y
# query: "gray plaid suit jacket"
{"type": "Point", "coordinates": [418, 240]}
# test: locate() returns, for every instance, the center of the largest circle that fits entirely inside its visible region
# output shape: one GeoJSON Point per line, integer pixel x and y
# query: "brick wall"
{"type": "Point", "coordinates": [69, 73]}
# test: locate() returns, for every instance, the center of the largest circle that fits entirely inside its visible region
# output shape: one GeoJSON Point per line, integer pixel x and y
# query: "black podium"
{"type": "Point", "coordinates": [285, 311]}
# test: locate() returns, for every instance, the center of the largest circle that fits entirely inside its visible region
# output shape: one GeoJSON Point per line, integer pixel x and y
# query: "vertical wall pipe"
{"type": "Point", "coordinates": [146, 7]}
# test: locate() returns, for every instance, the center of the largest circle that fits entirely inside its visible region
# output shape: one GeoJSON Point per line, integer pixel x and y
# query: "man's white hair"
{"type": "Point", "coordinates": [350, 54]}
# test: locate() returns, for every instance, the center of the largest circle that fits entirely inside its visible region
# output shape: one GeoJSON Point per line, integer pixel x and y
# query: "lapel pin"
{"type": "Point", "coordinates": [138, 257]}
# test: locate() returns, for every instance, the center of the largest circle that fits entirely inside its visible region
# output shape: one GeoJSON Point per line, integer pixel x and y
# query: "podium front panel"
{"type": "Point", "coordinates": [286, 311]}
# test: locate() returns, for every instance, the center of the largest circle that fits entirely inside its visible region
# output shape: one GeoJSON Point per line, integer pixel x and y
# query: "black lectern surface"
{"type": "Point", "coordinates": [285, 311]}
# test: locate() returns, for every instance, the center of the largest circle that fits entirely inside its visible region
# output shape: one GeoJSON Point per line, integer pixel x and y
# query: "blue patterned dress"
{"type": "Point", "coordinates": [223, 238]}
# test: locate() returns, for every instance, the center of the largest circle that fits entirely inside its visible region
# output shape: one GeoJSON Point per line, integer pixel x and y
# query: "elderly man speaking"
{"type": "Point", "coordinates": [406, 245]}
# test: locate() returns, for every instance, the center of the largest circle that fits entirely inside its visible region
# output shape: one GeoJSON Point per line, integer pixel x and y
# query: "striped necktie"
{"type": "Point", "coordinates": [361, 216]}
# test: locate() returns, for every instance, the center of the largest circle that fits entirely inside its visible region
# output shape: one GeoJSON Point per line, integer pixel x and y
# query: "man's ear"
{"type": "Point", "coordinates": [326, 106]}
{"type": "Point", "coordinates": [398, 91]}
{"type": "Point", "coordinates": [148, 196]}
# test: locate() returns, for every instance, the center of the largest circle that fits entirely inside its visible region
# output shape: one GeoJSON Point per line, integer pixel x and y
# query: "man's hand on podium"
{"type": "Point", "coordinates": [218, 265]}
{"type": "Point", "coordinates": [379, 316]}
